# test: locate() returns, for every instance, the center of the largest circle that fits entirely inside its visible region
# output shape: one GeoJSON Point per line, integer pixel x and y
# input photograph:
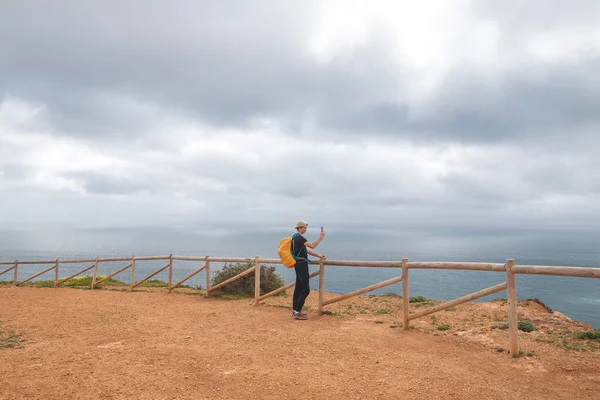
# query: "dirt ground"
{"type": "Point", "coordinates": [113, 344]}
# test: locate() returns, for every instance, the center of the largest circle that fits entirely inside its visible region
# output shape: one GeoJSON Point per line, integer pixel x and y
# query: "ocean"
{"type": "Point", "coordinates": [578, 298]}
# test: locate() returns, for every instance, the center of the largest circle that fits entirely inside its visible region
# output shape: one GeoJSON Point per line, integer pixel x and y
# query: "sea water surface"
{"type": "Point", "coordinates": [579, 298]}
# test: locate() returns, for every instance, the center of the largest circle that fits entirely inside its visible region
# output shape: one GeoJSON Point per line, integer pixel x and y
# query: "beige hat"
{"type": "Point", "coordinates": [301, 224]}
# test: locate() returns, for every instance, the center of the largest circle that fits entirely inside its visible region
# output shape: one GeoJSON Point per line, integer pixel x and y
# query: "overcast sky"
{"type": "Point", "coordinates": [255, 114]}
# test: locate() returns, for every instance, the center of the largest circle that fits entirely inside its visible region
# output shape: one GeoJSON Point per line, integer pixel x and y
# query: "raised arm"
{"type": "Point", "coordinates": [314, 244]}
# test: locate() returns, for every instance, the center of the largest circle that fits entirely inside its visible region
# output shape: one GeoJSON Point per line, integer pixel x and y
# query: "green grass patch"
{"type": "Point", "coordinates": [417, 299]}
{"type": "Point", "coordinates": [590, 335]}
{"type": "Point", "coordinates": [197, 287]}
{"type": "Point", "coordinates": [9, 339]}
{"type": "Point", "coordinates": [85, 280]}
{"type": "Point", "coordinates": [6, 283]}
{"type": "Point", "coordinates": [544, 340]}
{"type": "Point", "coordinates": [538, 301]}
{"type": "Point", "coordinates": [282, 306]}
{"type": "Point", "coordinates": [157, 283]}
{"type": "Point", "coordinates": [571, 345]}
{"type": "Point", "coordinates": [154, 283]}
{"type": "Point", "coordinates": [40, 284]}
{"type": "Point", "coordinates": [443, 327]}
{"type": "Point", "coordinates": [332, 313]}
{"type": "Point", "coordinates": [383, 311]}
{"type": "Point", "coordinates": [229, 296]}
{"type": "Point", "coordinates": [525, 325]}
{"type": "Point", "coordinates": [525, 354]}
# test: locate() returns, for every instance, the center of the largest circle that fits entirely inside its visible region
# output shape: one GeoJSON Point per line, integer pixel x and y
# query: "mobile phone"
{"type": "Point", "coordinates": [321, 229]}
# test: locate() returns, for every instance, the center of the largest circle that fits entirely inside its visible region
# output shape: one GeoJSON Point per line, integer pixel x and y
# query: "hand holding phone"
{"type": "Point", "coordinates": [322, 232]}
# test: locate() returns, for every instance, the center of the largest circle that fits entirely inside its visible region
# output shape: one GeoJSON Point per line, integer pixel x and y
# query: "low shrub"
{"type": "Point", "coordinates": [417, 299]}
{"type": "Point", "coordinates": [524, 325]}
{"type": "Point", "coordinates": [269, 279]}
{"type": "Point", "coordinates": [592, 335]}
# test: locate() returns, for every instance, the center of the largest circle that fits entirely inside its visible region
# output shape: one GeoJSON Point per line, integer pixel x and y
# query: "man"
{"type": "Point", "coordinates": [300, 249]}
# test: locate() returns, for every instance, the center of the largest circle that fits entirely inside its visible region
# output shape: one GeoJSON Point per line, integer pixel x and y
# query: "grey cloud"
{"type": "Point", "coordinates": [557, 177]}
{"type": "Point", "coordinates": [113, 72]}
{"type": "Point", "coordinates": [475, 193]}
{"type": "Point", "coordinates": [227, 65]}
{"type": "Point", "coordinates": [15, 172]}
{"type": "Point", "coordinates": [522, 105]}
{"type": "Point", "coordinates": [537, 15]}
{"type": "Point", "coordinates": [259, 68]}
{"type": "Point", "coordinates": [218, 62]}
{"type": "Point", "coordinates": [471, 108]}
{"type": "Point", "coordinates": [103, 184]}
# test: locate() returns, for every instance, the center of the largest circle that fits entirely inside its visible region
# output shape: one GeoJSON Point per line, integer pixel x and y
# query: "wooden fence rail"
{"type": "Point", "coordinates": [509, 268]}
{"type": "Point", "coordinates": [8, 269]}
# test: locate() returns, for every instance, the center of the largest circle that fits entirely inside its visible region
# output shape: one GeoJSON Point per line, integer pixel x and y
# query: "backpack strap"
{"type": "Point", "coordinates": [293, 247]}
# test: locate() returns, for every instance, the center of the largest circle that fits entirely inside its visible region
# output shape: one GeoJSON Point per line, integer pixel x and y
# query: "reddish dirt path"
{"type": "Point", "coordinates": [103, 344]}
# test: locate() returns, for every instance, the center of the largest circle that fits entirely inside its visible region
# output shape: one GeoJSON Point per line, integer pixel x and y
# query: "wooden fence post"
{"type": "Point", "coordinates": [15, 273]}
{"type": "Point", "coordinates": [256, 280]}
{"type": "Point", "coordinates": [513, 320]}
{"type": "Point", "coordinates": [207, 277]}
{"type": "Point", "coordinates": [132, 274]}
{"type": "Point", "coordinates": [95, 274]}
{"type": "Point", "coordinates": [170, 272]}
{"type": "Point", "coordinates": [405, 298]}
{"type": "Point", "coordinates": [56, 273]}
{"type": "Point", "coordinates": [321, 285]}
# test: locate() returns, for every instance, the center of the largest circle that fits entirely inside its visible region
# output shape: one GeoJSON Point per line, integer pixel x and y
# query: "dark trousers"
{"type": "Point", "coordinates": [302, 289]}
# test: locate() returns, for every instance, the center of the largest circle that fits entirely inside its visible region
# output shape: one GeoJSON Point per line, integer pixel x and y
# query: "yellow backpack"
{"type": "Point", "coordinates": [285, 252]}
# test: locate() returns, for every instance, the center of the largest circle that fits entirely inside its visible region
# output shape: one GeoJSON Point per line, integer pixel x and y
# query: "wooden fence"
{"type": "Point", "coordinates": [509, 268]}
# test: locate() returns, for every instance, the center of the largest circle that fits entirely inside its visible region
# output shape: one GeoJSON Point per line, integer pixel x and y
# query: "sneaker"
{"type": "Point", "coordinates": [299, 315]}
